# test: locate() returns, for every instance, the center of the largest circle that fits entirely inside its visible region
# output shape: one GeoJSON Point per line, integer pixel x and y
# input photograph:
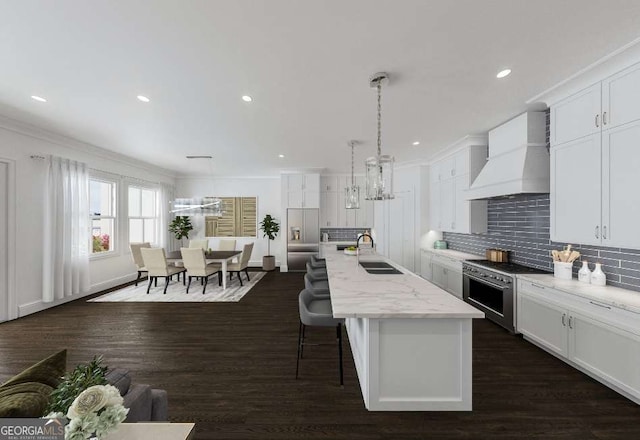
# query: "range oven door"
{"type": "Point", "coordinates": [495, 300]}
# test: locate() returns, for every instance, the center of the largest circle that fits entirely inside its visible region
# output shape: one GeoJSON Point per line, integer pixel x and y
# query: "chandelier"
{"type": "Point", "coordinates": [352, 192]}
{"type": "Point", "coordinates": [379, 169]}
{"type": "Point", "coordinates": [197, 206]}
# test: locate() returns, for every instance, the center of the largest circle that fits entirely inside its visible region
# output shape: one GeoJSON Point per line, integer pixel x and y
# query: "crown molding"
{"type": "Point", "coordinates": [36, 132]}
{"type": "Point", "coordinates": [602, 68]}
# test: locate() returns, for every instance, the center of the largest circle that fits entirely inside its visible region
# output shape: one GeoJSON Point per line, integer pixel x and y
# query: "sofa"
{"type": "Point", "coordinates": [27, 394]}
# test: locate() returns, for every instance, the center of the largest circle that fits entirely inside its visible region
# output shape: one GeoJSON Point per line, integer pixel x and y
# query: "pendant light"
{"type": "Point", "coordinates": [352, 192]}
{"type": "Point", "coordinates": [379, 169]}
{"type": "Point", "coordinates": [209, 206]}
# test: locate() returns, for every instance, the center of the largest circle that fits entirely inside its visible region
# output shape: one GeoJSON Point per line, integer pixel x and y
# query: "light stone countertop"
{"type": "Point", "coordinates": [610, 295]}
{"type": "Point", "coordinates": [358, 294]}
{"type": "Point", "coordinates": [456, 255]}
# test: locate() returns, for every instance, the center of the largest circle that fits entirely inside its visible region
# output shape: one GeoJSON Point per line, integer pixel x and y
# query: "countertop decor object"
{"type": "Point", "coordinates": [584, 274]}
{"type": "Point", "coordinates": [563, 270]}
{"type": "Point", "coordinates": [598, 277]}
{"type": "Point", "coordinates": [440, 244]}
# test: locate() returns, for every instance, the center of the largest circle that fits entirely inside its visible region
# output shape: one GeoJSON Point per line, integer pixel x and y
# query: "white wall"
{"type": "Point", "coordinates": [266, 189]}
{"type": "Point", "coordinates": [19, 141]}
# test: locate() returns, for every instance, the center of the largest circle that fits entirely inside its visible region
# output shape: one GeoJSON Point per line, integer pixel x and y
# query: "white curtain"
{"type": "Point", "coordinates": [66, 230]}
{"type": "Point", "coordinates": [165, 238]}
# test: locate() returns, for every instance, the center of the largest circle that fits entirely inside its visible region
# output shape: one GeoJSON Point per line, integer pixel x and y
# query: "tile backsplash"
{"type": "Point", "coordinates": [520, 224]}
{"type": "Point", "coordinates": [343, 234]}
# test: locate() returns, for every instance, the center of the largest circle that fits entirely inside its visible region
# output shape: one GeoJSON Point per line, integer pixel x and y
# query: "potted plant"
{"type": "Point", "coordinates": [180, 227]}
{"type": "Point", "coordinates": [270, 227]}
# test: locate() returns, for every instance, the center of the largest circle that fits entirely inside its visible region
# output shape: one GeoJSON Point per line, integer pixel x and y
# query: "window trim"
{"type": "Point", "coordinates": [114, 240]}
{"type": "Point", "coordinates": [156, 217]}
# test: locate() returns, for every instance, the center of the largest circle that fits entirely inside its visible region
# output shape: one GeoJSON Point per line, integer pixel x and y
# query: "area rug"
{"type": "Point", "coordinates": [176, 292]}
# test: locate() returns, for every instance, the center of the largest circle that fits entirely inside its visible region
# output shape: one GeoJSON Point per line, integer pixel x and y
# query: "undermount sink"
{"type": "Point", "coordinates": [379, 268]}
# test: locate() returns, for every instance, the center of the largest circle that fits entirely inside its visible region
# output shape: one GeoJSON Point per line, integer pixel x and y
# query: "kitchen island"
{"type": "Point", "coordinates": [411, 340]}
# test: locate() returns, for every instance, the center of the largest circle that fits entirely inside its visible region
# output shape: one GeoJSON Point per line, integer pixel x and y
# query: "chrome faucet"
{"type": "Point", "coordinates": [358, 246]}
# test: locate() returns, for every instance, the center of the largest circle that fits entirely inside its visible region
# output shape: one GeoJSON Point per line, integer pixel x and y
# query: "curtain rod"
{"type": "Point", "coordinates": [122, 176]}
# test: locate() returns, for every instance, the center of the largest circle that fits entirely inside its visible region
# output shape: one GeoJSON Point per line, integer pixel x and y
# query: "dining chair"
{"type": "Point", "coordinates": [137, 257]}
{"type": "Point", "coordinates": [226, 245]}
{"type": "Point", "coordinates": [196, 265]}
{"type": "Point", "coordinates": [155, 260]}
{"type": "Point", "coordinates": [243, 264]}
{"type": "Point", "coordinates": [202, 244]}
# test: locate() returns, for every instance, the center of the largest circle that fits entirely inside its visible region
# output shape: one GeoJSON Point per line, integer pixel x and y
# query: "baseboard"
{"type": "Point", "coordinates": [39, 306]}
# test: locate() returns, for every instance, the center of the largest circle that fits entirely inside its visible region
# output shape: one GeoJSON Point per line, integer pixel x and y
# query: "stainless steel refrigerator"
{"type": "Point", "coordinates": [303, 237]}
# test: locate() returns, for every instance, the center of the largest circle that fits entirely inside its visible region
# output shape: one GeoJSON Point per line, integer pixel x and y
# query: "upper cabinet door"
{"type": "Point", "coordinates": [576, 191]}
{"type": "Point", "coordinates": [447, 205]}
{"type": "Point", "coordinates": [295, 182]}
{"type": "Point", "coordinates": [295, 199]}
{"type": "Point", "coordinates": [311, 182]}
{"type": "Point", "coordinates": [577, 116]}
{"type": "Point", "coordinates": [328, 209]}
{"type": "Point", "coordinates": [435, 208]}
{"type": "Point", "coordinates": [621, 181]}
{"type": "Point", "coordinates": [329, 183]}
{"type": "Point", "coordinates": [311, 199]}
{"type": "Point", "coordinates": [621, 98]}
{"type": "Point", "coordinates": [461, 217]}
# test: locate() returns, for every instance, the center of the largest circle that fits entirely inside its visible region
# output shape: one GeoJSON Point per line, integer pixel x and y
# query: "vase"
{"type": "Point", "coordinates": [268, 262]}
{"type": "Point", "coordinates": [598, 277]}
{"type": "Point", "coordinates": [584, 274]}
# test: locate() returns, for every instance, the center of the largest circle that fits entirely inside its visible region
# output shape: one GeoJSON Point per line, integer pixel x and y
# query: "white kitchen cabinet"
{"type": "Point", "coordinates": [447, 274]}
{"type": "Point", "coordinates": [621, 98]}
{"type": "Point", "coordinates": [613, 102]}
{"type": "Point", "coordinates": [328, 209]}
{"type": "Point", "coordinates": [594, 182]}
{"type": "Point", "coordinates": [575, 191]}
{"type": "Point", "coordinates": [576, 116]}
{"type": "Point", "coordinates": [328, 183]}
{"type": "Point", "coordinates": [543, 322]}
{"type": "Point", "coordinates": [425, 265]}
{"type": "Point", "coordinates": [593, 337]}
{"type": "Point", "coordinates": [621, 186]}
{"type": "Point", "coordinates": [449, 210]}
{"type": "Point", "coordinates": [301, 190]}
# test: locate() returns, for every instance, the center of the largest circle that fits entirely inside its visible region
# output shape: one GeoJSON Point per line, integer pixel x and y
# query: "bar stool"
{"type": "Point", "coordinates": [317, 263]}
{"type": "Point", "coordinates": [319, 273]}
{"type": "Point", "coordinates": [317, 312]}
{"type": "Point", "coordinates": [316, 286]}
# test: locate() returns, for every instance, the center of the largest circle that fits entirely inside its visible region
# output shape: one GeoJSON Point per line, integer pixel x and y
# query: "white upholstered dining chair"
{"type": "Point", "coordinates": [196, 265]}
{"type": "Point", "coordinates": [155, 261]}
{"type": "Point", "coordinates": [137, 257]}
{"type": "Point", "coordinates": [226, 245]}
{"type": "Point", "coordinates": [202, 244]}
{"type": "Point", "coordinates": [243, 264]}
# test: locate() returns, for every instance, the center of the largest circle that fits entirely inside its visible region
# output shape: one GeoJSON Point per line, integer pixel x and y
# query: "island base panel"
{"type": "Point", "coordinates": [413, 364]}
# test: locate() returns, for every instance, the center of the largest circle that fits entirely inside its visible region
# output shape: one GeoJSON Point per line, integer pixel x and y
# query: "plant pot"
{"type": "Point", "coordinates": [268, 262]}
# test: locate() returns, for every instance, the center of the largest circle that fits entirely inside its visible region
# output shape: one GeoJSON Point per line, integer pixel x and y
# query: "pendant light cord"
{"type": "Point", "coordinates": [379, 87]}
{"type": "Point", "coordinates": [353, 180]}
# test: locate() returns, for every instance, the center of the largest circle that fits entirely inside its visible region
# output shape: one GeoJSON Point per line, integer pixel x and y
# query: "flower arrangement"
{"type": "Point", "coordinates": [97, 411]}
{"type": "Point", "coordinates": [100, 243]}
{"type": "Point", "coordinates": [92, 407]}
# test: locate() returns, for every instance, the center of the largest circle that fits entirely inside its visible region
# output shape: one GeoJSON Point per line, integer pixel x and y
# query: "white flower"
{"type": "Point", "coordinates": [91, 400]}
{"type": "Point", "coordinates": [113, 396]}
{"type": "Point", "coordinates": [80, 428]}
{"type": "Point", "coordinates": [54, 415]}
{"type": "Point", "coordinates": [109, 418]}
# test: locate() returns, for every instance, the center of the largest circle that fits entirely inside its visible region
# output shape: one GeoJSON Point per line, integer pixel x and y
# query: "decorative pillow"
{"type": "Point", "coordinates": [26, 399]}
{"type": "Point", "coordinates": [27, 394]}
{"type": "Point", "coordinates": [48, 371]}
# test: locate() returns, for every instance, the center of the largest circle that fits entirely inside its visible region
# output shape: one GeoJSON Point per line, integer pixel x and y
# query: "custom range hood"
{"type": "Point", "coordinates": [518, 160]}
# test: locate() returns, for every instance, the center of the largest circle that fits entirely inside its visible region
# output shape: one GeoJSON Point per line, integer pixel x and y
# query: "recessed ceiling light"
{"type": "Point", "coordinates": [280, 156]}
{"type": "Point", "coordinates": [503, 73]}
{"type": "Point", "coordinates": [247, 98]}
{"type": "Point", "coordinates": [143, 98]}
{"type": "Point", "coordinates": [38, 98]}
{"type": "Point", "coordinates": [416, 143]}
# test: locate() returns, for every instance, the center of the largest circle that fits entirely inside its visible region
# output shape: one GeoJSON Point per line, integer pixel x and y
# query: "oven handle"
{"type": "Point", "coordinates": [487, 282]}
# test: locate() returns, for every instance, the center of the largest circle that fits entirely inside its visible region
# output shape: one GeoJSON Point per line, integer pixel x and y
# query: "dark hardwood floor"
{"type": "Point", "coordinates": [230, 368]}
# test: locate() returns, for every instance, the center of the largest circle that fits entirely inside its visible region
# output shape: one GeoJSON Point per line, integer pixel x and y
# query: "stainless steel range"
{"type": "Point", "coordinates": [491, 287]}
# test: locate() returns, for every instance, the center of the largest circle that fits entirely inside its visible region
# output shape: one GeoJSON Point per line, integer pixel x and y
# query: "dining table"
{"type": "Point", "coordinates": [221, 257]}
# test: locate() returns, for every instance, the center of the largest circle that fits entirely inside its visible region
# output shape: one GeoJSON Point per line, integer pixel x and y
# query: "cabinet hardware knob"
{"type": "Point", "coordinates": [564, 315]}
{"type": "Point", "coordinates": [604, 118]}
{"type": "Point", "coordinates": [597, 120]}
{"type": "Point", "coordinates": [604, 232]}
{"type": "Point", "coordinates": [597, 231]}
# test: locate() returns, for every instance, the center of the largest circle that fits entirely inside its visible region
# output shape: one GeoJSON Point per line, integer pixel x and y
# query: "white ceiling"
{"type": "Point", "coordinates": [305, 63]}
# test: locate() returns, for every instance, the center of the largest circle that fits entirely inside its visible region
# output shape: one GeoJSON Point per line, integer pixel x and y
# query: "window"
{"type": "Point", "coordinates": [143, 214]}
{"type": "Point", "coordinates": [102, 206]}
